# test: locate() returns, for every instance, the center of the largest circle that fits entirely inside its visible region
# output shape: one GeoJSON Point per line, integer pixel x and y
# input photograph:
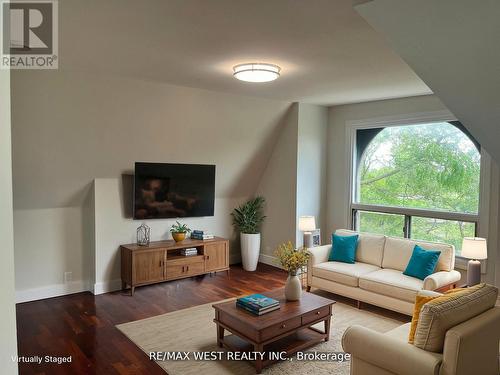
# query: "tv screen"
{"type": "Point", "coordinates": [173, 190]}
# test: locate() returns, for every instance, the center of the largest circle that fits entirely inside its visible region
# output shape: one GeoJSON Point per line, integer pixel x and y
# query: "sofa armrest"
{"type": "Point", "coordinates": [389, 353]}
{"type": "Point", "coordinates": [442, 278]}
{"type": "Point", "coordinates": [319, 254]}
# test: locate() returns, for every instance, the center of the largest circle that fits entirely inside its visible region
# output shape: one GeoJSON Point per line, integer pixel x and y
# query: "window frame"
{"type": "Point", "coordinates": [481, 219]}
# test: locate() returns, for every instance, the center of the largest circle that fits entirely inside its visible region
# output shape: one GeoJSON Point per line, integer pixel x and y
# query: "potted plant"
{"type": "Point", "coordinates": [179, 231]}
{"type": "Point", "coordinates": [247, 219]}
{"type": "Point", "coordinates": [292, 260]}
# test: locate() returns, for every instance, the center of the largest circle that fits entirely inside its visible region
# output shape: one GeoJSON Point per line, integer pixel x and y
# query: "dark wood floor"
{"type": "Point", "coordinates": [83, 325]}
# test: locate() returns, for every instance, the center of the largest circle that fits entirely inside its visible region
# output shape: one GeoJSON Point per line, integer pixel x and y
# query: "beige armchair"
{"type": "Point", "coordinates": [471, 347]}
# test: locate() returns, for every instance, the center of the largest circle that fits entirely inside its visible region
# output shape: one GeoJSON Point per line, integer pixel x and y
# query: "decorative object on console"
{"type": "Point", "coordinates": [189, 251]}
{"type": "Point", "coordinates": [475, 249]}
{"type": "Point", "coordinates": [292, 260]}
{"type": "Point", "coordinates": [247, 219]}
{"type": "Point", "coordinates": [307, 224]}
{"type": "Point", "coordinates": [179, 231]}
{"type": "Point", "coordinates": [143, 235]}
{"type": "Point", "coordinates": [201, 235]}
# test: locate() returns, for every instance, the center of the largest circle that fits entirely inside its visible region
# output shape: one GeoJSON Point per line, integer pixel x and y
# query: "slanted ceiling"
{"type": "Point", "coordinates": [453, 47]}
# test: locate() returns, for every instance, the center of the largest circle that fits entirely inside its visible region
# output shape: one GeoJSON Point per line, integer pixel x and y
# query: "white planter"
{"type": "Point", "coordinates": [250, 250]}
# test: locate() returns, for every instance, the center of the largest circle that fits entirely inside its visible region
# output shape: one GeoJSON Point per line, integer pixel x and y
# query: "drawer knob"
{"type": "Point", "coordinates": [283, 326]}
{"type": "Point", "coordinates": [317, 312]}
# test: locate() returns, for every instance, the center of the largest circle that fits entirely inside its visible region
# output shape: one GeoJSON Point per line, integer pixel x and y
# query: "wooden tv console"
{"type": "Point", "coordinates": [162, 260]}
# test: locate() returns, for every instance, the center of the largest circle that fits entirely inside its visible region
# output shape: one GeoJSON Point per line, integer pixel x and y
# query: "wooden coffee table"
{"type": "Point", "coordinates": [285, 330]}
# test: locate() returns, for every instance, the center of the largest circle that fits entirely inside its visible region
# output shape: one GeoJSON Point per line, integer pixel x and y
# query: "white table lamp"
{"type": "Point", "coordinates": [474, 248]}
{"type": "Point", "coordinates": [307, 224]}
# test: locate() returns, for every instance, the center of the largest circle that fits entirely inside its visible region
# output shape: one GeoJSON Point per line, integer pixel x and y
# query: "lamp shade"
{"type": "Point", "coordinates": [474, 248]}
{"type": "Point", "coordinates": [307, 223]}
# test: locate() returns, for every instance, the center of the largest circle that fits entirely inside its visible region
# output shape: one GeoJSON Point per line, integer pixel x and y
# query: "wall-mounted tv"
{"type": "Point", "coordinates": [164, 190]}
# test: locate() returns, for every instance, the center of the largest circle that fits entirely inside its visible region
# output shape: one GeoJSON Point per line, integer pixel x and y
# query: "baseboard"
{"type": "Point", "coordinates": [107, 286]}
{"type": "Point", "coordinates": [270, 260]}
{"type": "Point", "coordinates": [50, 291]}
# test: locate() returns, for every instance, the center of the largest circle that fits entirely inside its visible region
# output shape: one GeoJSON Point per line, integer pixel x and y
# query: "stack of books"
{"type": "Point", "coordinates": [258, 304]}
{"type": "Point", "coordinates": [201, 235]}
{"type": "Point", "coordinates": [190, 251]}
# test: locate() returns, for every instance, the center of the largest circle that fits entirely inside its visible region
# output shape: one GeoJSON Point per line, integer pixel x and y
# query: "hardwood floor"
{"type": "Point", "coordinates": [83, 325]}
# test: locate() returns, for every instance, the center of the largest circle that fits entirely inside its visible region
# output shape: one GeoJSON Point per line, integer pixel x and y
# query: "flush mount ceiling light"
{"type": "Point", "coordinates": [256, 72]}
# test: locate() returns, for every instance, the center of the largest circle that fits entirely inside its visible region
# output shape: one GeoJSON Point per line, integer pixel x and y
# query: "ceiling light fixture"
{"type": "Point", "coordinates": [256, 72]}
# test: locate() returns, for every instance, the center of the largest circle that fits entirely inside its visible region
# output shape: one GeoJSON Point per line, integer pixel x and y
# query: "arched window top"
{"type": "Point", "coordinates": [429, 166]}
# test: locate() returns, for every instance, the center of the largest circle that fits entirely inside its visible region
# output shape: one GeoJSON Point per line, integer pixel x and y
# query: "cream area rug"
{"type": "Point", "coordinates": [193, 329]}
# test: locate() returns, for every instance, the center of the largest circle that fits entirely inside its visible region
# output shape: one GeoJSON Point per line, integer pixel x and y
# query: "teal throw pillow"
{"type": "Point", "coordinates": [343, 248]}
{"type": "Point", "coordinates": [422, 262]}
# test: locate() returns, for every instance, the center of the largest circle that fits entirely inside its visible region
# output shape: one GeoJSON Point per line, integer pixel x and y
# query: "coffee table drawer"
{"type": "Point", "coordinates": [281, 328]}
{"type": "Point", "coordinates": [315, 315]}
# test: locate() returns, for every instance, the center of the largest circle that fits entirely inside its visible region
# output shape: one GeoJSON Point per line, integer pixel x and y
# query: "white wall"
{"type": "Point", "coordinates": [71, 128]}
{"type": "Point", "coordinates": [294, 180]}
{"type": "Point", "coordinates": [278, 185]}
{"type": "Point", "coordinates": [311, 165]}
{"type": "Point", "coordinates": [8, 340]}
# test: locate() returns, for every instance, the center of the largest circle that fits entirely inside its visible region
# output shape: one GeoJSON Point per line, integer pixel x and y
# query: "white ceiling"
{"type": "Point", "coordinates": [453, 46]}
{"type": "Point", "coordinates": [328, 53]}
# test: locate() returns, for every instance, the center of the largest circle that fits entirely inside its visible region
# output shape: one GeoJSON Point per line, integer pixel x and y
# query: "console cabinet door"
{"type": "Point", "coordinates": [216, 256]}
{"type": "Point", "coordinates": [149, 266]}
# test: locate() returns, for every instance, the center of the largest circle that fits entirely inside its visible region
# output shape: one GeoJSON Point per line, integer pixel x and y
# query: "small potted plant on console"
{"type": "Point", "coordinates": [179, 231]}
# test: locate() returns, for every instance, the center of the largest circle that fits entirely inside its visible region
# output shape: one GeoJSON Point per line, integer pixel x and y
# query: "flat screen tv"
{"type": "Point", "coordinates": [173, 190]}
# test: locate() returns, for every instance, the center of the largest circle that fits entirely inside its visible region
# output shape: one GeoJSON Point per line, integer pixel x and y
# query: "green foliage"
{"type": "Point", "coordinates": [432, 166]}
{"type": "Point", "coordinates": [292, 259]}
{"type": "Point", "coordinates": [248, 217]}
{"type": "Point", "coordinates": [179, 228]}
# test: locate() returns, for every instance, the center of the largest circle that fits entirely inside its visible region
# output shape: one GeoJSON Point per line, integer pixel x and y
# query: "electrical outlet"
{"type": "Point", "coordinates": [68, 276]}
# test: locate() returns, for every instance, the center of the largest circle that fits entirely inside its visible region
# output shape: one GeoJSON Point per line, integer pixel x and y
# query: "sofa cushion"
{"type": "Point", "coordinates": [343, 273]}
{"type": "Point", "coordinates": [391, 283]}
{"type": "Point", "coordinates": [370, 246]}
{"type": "Point", "coordinates": [449, 310]}
{"type": "Point", "coordinates": [398, 251]}
{"type": "Point", "coordinates": [422, 263]}
{"type": "Point", "coordinates": [344, 248]}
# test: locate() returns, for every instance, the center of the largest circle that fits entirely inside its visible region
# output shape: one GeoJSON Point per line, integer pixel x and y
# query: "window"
{"type": "Point", "coordinates": [417, 181]}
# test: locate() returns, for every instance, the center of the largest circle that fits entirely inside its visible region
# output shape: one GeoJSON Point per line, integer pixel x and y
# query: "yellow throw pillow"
{"type": "Point", "coordinates": [420, 301]}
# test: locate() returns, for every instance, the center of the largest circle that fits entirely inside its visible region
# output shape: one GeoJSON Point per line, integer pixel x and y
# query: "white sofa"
{"type": "Point", "coordinates": [377, 276]}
